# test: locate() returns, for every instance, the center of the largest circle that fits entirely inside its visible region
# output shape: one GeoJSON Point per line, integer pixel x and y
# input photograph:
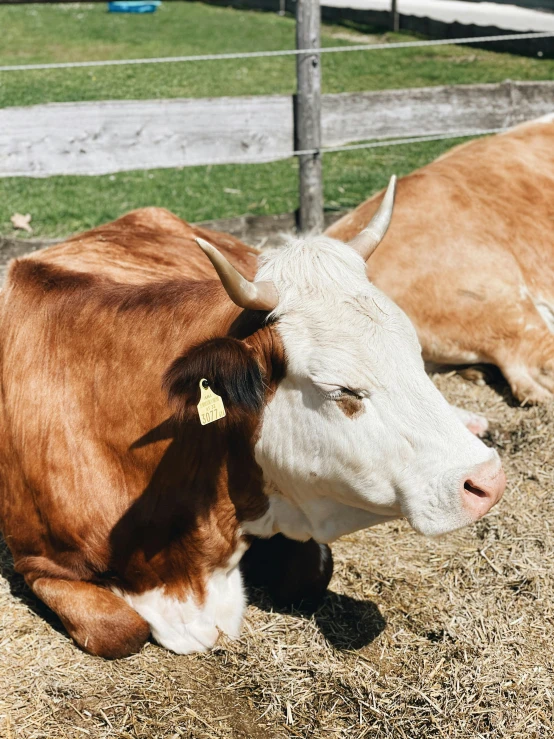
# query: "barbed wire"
{"type": "Point", "coordinates": [282, 52]}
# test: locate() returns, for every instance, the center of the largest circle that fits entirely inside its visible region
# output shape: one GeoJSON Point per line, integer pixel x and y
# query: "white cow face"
{"type": "Point", "coordinates": [356, 432]}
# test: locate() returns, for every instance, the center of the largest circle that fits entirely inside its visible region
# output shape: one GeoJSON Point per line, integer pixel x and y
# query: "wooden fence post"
{"type": "Point", "coordinates": [308, 116]}
{"type": "Point", "coordinates": [395, 18]}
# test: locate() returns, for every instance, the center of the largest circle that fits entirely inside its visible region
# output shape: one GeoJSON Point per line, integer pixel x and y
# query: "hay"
{"type": "Point", "coordinates": [417, 638]}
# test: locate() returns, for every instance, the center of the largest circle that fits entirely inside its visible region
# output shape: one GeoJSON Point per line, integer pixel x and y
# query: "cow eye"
{"type": "Point", "coordinates": [352, 393]}
{"type": "Point", "coordinates": [330, 391]}
{"type": "Point", "coordinates": [340, 392]}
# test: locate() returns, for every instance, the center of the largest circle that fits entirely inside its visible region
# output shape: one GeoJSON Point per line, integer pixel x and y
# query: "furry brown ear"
{"type": "Point", "coordinates": [231, 370]}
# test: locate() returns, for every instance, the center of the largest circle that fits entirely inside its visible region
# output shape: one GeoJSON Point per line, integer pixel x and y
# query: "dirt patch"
{"type": "Point", "coordinates": [450, 637]}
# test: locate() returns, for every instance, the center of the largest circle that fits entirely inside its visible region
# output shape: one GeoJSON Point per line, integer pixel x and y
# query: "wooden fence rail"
{"type": "Point", "coordinates": [91, 138]}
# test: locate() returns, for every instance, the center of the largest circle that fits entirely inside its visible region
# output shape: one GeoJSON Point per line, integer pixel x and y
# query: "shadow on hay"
{"type": "Point", "coordinates": [23, 593]}
{"type": "Point", "coordinates": [288, 576]}
{"type": "Point", "coordinates": [481, 374]}
{"type": "Point", "coordinates": [346, 623]}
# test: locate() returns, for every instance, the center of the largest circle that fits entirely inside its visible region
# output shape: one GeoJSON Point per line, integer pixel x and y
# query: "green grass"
{"type": "Point", "coordinates": [64, 205]}
{"type": "Point", "coordinates": [50, 33]}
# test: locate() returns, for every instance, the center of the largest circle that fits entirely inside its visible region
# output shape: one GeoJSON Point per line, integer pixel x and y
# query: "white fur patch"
{"type": "Point", "coordinates": [322, 519]}
{"type": "Point", "coordinates": [184, 626]}
{"type": "Point", "coordinates": [546, 311]}
{"type": "Point", "coordinates": [406, 455]}
{"type": "Point", "coordinates": [544, 307]}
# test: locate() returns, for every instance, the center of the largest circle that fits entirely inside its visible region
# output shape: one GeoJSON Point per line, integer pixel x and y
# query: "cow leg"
{"type": "Point", "coordinates": [97, 619]}
{"type": "Point", "coordinates": [514, 337]}
{"type": "Point", "coordinates": [291, 571]}
{"type": "Point", "coordinates": [523, 385]}
{"type": "Point", "coordinates": [476, 375]}
{"type": "Point", "coordinates": [529, 366]}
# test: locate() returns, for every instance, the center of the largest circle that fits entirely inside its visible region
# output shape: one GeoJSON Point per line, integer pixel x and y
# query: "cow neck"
{"type": "Point", "coordinates": [209, 473]}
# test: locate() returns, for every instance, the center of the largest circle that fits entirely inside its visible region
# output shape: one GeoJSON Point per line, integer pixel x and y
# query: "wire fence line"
{"type": "Point", "coordinates": [277, 53]}
{"type": "Point", "coordinates": [110, 140]}
{"type": "Point", "coordinates": [112, 136]}
{"type": "Point", "coordinates": [381, 143]}
{"type": "Point", "coordinates": [100, 137]}
{"type": "Point", "coordinates": [399, 141]}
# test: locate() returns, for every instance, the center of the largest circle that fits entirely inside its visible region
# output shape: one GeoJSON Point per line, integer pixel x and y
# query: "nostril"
{"type": "Point", "coordinates": [474, 490]}
{"type": "Point", "coordinates": [482, 489]}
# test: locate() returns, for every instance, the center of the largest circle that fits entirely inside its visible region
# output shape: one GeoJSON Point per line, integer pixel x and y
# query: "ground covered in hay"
{"type": "Point", "coordinates": [416, 638]}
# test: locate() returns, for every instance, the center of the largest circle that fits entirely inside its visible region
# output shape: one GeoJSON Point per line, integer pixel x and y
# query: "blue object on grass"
{"type": "Point", "coordinates": [133, 6]}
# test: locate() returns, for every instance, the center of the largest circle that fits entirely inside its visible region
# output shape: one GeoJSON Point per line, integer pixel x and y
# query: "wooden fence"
{"type": "Point", "coordinates": [92, 138]}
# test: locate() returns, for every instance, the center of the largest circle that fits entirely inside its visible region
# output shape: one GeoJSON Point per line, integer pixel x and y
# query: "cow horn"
{"type": "Point", "coordinates": [245, 294]}
{"type": "Point", "coordinates": [367, 241]}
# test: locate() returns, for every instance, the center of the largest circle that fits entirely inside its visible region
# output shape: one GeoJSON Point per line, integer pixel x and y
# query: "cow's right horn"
{"type": "Point", "coordinates": [369, 239]}
{"type": "Point", "coordinates": [245, 294]}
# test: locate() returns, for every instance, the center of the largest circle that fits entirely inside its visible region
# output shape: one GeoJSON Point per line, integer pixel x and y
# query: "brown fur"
{"type": "Point", "coordinates": [97, 619]}
{"type": "Point", "coordinates": [104, 479]}
{"type": "Point", "coordinates": [468, 231]}
{"type": "Point", "coordinates": [351, 407]}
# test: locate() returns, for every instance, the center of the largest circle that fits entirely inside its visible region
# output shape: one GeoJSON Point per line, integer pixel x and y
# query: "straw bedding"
{"type": "Point", "coordinates": [417, 638]}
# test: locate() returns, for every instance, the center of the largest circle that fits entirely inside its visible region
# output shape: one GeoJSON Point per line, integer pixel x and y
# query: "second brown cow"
{"type": "Point", "coordinates": [470, 255]}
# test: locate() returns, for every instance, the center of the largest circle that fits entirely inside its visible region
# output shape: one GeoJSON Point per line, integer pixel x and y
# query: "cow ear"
{"type": "Point", "coordinates": [232, 372]}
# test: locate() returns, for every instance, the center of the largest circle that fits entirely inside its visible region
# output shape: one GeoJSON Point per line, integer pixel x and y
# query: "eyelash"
{"type": "Point", "coordinates": [340, 392]}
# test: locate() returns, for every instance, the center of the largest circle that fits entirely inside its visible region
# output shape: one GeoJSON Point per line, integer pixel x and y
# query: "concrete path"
{"type": "Point", "coordinates": [507, 17]}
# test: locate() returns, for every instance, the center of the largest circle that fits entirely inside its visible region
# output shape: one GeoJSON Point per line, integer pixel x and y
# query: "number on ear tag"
{"type": "Point", "coordinates": [210, 406]}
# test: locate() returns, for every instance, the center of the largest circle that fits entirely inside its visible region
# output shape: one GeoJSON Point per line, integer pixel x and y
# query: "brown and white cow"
{"type": "Point", "coordinates": [127, 516]}
{"type": "Point", "coordinates": [470, 255]}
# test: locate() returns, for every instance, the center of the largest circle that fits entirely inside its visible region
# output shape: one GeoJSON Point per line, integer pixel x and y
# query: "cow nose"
{"type": "Point", "coordinates": [483, 488]}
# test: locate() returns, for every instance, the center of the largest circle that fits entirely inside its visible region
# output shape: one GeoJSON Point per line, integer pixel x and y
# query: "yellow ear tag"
{"type": "Point", "coordinates": [210, 406]}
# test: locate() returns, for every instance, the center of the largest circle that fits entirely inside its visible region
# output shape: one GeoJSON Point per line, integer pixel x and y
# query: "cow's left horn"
{"type": "Point", "coordinates": [245, 294]}
{"type": "Point", "coordinates": [367, 241]}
